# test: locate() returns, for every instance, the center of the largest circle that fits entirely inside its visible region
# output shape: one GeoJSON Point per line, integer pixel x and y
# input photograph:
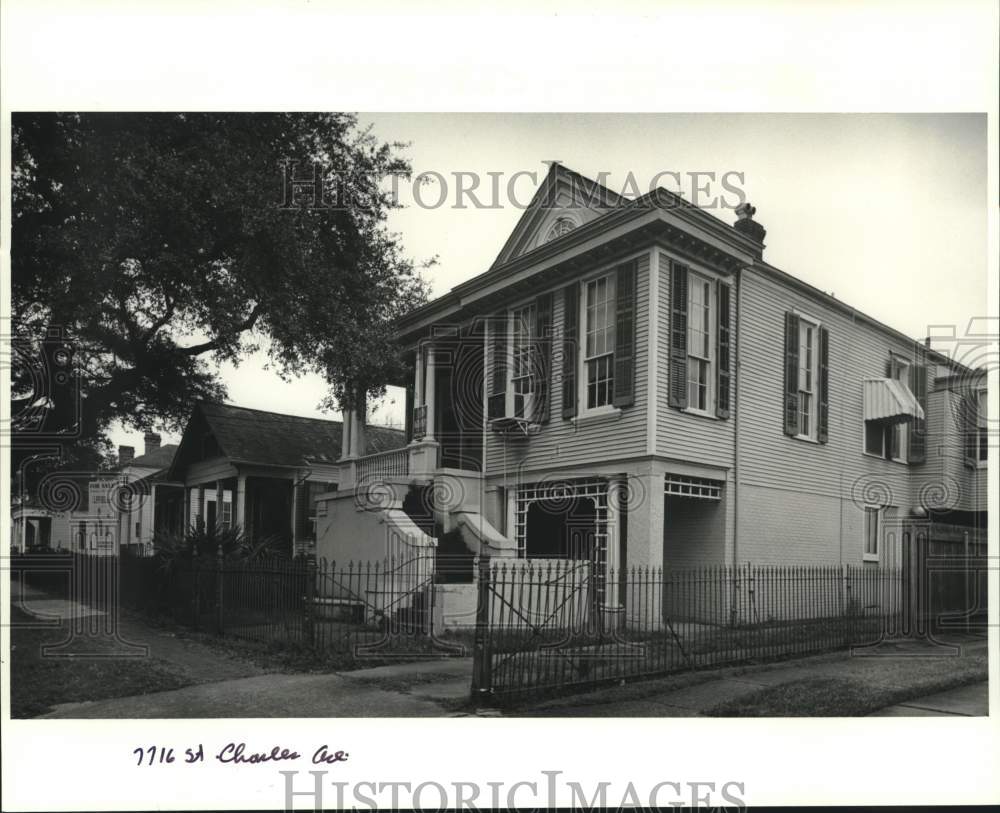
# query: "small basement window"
{"type": "Point", "coordinates": [696, 487]}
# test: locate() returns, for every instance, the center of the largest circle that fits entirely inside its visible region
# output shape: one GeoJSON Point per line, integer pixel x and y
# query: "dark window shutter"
{"type": "Point", "coordinates": [791, 374]}
{"type": "Point", "coordinates": [570, 340]}
{"type": "Point", "coordinates": [723, 353]}
{"type": "Point", "coordinates": [543, 357]}
{"type": "Point", "coordinates": [823, 429]}
{"type": "Point", "coordinates": [917, 452]}
{"type": "Point", "coordinates": [678, 335]}
{"type": "Point", "coordinates": [624, 370]}
{"type": "Point", "coordinates": [497, 403]}
{"type": "Point", "coordinates": [970, 427]}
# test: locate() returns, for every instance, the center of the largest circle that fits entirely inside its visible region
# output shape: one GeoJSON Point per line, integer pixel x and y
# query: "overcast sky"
{"type": "Point", "coordinates": [887, 212]}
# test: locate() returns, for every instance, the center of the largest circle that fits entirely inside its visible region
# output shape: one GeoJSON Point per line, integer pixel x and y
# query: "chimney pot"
{"type": "Point", "coordinates": [152, 441]}
{"type": "Point", "coordinates": [125, 455]}
{"type": "Point", "coordinates": [745, 223]}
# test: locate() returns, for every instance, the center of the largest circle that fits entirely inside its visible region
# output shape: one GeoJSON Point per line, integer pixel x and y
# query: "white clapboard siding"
{"type": "Point", "coordinates": [565, 443]}
{"type": "Point", "coordinates": [681, 435]}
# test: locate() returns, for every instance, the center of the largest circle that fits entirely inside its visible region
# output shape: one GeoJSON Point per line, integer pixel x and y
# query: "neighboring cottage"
{"type": "Point", "coordinates": [261, 471]}
{"type": "Point", "coordinates": [631, 383]}
{"type": "Point", "coordinates": [99, 514]}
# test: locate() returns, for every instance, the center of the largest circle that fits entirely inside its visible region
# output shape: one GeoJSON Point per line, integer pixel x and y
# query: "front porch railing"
{"type": "Point", "coordinates": [394, 463]}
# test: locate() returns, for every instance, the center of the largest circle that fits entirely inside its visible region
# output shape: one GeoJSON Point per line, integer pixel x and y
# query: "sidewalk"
{"type": "Point", "coordinates": [187, 677]}
{"type": "Point", "coordinates": [966, 701]}
{"type": "Point", "coordinates": [422, 689]}
{"type": "Point", "coordinates": [803, 687]}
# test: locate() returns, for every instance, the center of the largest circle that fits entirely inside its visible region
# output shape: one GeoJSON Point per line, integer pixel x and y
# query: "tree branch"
{"type": "Point", "coordinates": [218, 341]}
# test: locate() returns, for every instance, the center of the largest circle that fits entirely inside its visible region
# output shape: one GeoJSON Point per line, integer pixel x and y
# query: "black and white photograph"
{"type": "Point", "coordinates": [324, 419]}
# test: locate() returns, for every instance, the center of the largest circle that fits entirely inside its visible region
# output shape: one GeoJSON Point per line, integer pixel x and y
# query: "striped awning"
{"type": "Point", "coordinates": [889, 400]}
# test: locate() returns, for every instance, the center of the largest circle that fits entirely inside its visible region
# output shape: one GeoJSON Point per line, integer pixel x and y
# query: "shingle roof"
{"type": "Point", "coordinates": [157, 459]}
{"type": "Point", "coordinates": [268, 438]}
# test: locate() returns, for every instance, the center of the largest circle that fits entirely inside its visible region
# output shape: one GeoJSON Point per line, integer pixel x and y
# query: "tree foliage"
{"type": "Point", "coordinates": [163, 244]}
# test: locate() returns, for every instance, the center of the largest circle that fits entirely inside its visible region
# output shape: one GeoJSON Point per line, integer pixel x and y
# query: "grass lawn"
{"type": "Point", "coordinates": [831, 697]}
{"type": "Point", "coordinates": [37, 683]}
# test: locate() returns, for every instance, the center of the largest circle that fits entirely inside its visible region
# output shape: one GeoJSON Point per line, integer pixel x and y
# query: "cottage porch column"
{"type": "Point", "coordinates": [429, 394]}
{"type": "Point", "coordinates": [345, 435]}
{"type": "Point", "coordinates": [418, 384]}
{"type": "Point", "coordinates": [358, 429]}
{"type": "Point", "coordinates": [218, 503]}
{"type": "Point", "coordinates": [240, 506]}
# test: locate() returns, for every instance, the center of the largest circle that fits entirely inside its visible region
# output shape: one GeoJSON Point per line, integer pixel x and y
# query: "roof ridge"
{"type": "Point", "coordinates": [288, 415]}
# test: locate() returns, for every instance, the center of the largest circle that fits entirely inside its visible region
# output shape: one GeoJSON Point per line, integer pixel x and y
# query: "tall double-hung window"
{"type": "Point", "coordinates": [522, 339]}
{"type": "Point", "coordinates": [701, 318]}
{"type": "Point", "coordinates": [599, 349]}
{"type": "Point", "coordinates": [808, 374]}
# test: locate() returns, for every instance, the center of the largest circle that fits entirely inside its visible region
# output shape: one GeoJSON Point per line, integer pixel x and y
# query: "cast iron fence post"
{"type": "Point", "coordinates": [309, 619]}
{"type": "Point", "coordinates": [849, 621]}
{"type": "Point", "coordinates": [195, 596]}
{"type": "Point", "coordinates": [481, 657]}
{"type": "Point", "coordinates": [219, 599]}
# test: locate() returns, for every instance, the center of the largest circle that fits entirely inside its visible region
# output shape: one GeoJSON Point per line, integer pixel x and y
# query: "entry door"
{"type": "Point", "coordinates": [459, 405]}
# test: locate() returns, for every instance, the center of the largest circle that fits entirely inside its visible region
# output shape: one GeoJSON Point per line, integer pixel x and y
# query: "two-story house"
{"type": "Point", "coordinates": [631, 383]}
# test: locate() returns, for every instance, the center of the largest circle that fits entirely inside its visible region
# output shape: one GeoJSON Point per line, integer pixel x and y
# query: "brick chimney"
{"type": "Point", "coordinates": [747, 225]}
{"type": "Point", "coordinates": [152, 441]}
{"type": "Point", "coordinates": [125, 455]}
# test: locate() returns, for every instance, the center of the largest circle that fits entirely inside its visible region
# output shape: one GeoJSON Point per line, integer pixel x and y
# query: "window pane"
{"type": "Point", "coordinates": [874, 437]}
{"type": "Point", "coordinates": [600, 327]}
{"type": "Point", "coordinates": [871, 531]}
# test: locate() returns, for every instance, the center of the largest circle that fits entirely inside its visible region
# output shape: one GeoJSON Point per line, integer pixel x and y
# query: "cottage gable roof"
{"type": "Point", "coordinates": [563, 201]}
{"type": "Point", "coordinates": [270, 439]}
{"type": "Point", "coordinates": [157, 459]}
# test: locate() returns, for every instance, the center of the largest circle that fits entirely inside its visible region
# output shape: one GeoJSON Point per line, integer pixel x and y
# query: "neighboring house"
{"type": "Point", "coordinates": [260, 470]}
{"type": "Point", "coordinates": [99, 514]}
{"type": "Point", "coordinates": [631, 383]}
{"type": "Point", "coordinates": [146, 502]}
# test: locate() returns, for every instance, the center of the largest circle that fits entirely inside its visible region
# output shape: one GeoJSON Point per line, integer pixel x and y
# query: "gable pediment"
{"type": "Point", "coordinates": [564, 202]}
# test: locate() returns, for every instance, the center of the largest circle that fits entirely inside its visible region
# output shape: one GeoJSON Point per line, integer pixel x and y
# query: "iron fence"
{"type": "Point", "coordinates": [568, 625]}
{"type": "Point", "coordinates": [358, 609]}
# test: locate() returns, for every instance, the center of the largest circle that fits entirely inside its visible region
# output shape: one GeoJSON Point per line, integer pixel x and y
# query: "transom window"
{"type": "Point", "coordinates": [522, 338]}
{"type": "Point", "coordinates": [599, 327]}
{"type": "Point", "coordinates": [701, 318]}
{"type": "Point", "coordinates": [808, 374]}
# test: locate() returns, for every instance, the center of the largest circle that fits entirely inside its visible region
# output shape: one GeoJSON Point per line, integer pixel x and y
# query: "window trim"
{"type": "Point", "coordinates": [582, 358]}
{"type": "Point", "coordinates": [527, 304]}
{"type": "Point", "coordinates": [865, 555]}
{"type": "Point", "coordinates": [712, 330]}
{"type": "Point", "coordinates": [815, 324]}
